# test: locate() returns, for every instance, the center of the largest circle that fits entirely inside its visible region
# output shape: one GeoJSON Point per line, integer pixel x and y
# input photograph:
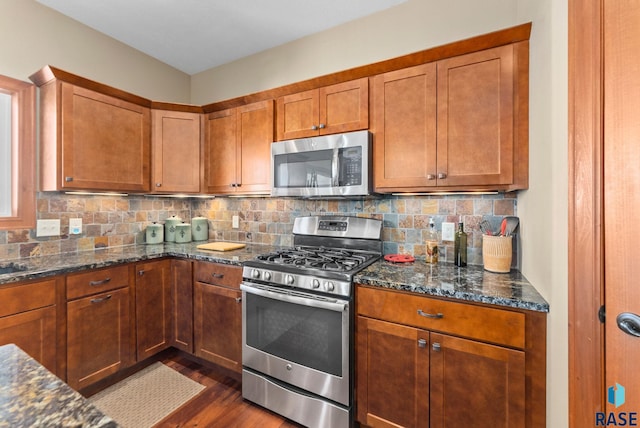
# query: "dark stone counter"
{"type": "Point", "coordinates": [471, 283]}
{"type": "Point", "coordinates": [31, 396]}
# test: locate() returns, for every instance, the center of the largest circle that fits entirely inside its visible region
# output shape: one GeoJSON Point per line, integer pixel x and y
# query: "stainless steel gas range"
{"type": "Point", "coordinates": [297, 313]}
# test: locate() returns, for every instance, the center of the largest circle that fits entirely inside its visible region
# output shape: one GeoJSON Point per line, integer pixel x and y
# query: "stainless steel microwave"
{"type": "Point", "coordinates": [336, 165]}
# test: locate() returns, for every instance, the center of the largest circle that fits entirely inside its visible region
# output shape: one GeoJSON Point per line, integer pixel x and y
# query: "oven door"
{"type": "Point", "coordinates": [298, 338]}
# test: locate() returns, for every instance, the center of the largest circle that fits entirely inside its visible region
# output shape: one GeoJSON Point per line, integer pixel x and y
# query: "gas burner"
{"type": "Point", "coordinates": [322, 258]}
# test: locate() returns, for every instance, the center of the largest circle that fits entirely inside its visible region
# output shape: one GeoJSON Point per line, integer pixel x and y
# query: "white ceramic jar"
{"type": "Point", "coordinates": [199, 229]}
{"type": "Point", "coordinates": [170, 228]}
{"type": "Point", "coordinates": [183, 233]}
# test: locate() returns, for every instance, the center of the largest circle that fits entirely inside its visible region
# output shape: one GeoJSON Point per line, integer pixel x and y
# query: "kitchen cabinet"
{"type": "Point", "coordinates": [28, 319]}
{"type": "Point", "coordinates": [176, 151]}
{"type": "Point", "coordinates": [182, 305]}
{"type": "Point", "coordinates": [455, 124]}
{"type": "Point", "coordinates": [218, 314]}
{"type": "Point", "coordinates": [342, 107]}
{"type": "Point", "coordinates": [153, 307]}
{"type": "Point", "coordinates": [91, 139]}
{"type": "Point", "coordinates": [238, 149]}
{"type": "Point", "coordinates": [99, 324]}
{"type": "Point", "coordinates": [423, 362]}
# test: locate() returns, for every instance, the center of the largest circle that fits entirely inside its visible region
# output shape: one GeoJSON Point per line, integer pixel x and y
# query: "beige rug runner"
{"type": "Point", "coordinates": [146, 397]}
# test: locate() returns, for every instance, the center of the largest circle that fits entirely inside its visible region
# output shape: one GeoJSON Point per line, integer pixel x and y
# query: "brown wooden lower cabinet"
{"type": "Point", "coordinates": [98, 337]}
{"type": "Point", "coordinates": [182, 305]}
{"type": "Point", "coordinates": [408, 375]}
{"type": "Point", "coordinates": [153, 307]}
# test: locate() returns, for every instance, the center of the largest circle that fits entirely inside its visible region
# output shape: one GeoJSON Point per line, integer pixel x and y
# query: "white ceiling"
{"type": "Point", "coordinates": [195, 35]}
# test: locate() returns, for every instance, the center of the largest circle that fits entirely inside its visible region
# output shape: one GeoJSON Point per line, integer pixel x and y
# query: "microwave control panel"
{"type": "Point", "coordinates": [350, 166]}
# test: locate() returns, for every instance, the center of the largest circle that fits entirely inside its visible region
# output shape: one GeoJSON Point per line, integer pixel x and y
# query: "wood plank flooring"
{"type": "Point", "coordinates": [220, 404]}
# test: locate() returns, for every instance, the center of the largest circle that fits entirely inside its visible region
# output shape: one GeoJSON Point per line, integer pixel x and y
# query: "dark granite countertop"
{"type": "Point", "coordinates": [60, 264]}
{"type": "Point", "coordinates": [471, 283]}
{"type": "Point", "coordinates": [32, 396]}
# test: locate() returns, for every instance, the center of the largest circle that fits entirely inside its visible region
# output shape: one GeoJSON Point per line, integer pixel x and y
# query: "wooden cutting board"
{"type": "Point", "coordinates": [221, 246]}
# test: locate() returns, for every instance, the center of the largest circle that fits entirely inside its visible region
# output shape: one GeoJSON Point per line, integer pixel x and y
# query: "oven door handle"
{"type": "Point", "coordinates": [332, 305]}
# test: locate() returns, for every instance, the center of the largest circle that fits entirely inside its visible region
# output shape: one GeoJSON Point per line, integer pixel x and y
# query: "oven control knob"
{"type": "Point", "coordinates": [329, 286]}
{"type": "Point", "coordinates": [267, 276]}
{"type": "Point", "coordinates": [289, 279]}
{"type": "Point", "coordinates": [315, 283]}
{"type": "Point", "coordinates": [255, 274]}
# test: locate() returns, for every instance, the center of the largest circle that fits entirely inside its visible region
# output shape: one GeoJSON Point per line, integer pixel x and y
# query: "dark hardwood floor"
{"type": "Point", "coordinates": [220, 404]}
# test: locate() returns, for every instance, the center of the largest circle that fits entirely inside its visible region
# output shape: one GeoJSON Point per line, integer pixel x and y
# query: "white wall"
{"type": "Point", "coordinates": [421, 24]}
{"type": "Point", "coordinates": [32, 36]}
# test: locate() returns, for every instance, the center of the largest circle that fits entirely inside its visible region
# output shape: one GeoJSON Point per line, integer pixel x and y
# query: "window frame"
{"type": "Point", "coordinates": [23, 154]}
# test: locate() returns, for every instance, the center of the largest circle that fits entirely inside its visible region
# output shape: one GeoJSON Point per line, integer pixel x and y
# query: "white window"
{"type": "Point", "coordinates": [17, 154]}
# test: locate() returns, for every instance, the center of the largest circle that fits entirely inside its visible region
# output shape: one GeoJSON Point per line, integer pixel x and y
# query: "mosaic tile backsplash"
{"type": "Point", "coordinates": [116, 221]}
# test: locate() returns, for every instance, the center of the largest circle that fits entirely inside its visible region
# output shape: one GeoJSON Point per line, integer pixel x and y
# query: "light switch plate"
{"type": "Point", "coordinates": [48, 227]}
{"type": "Point", "coordinates": [448, 231]}
{"type": "Point", "coordinates": [75, 226]}
{"type": "Point", "coordinates": [235, 222]}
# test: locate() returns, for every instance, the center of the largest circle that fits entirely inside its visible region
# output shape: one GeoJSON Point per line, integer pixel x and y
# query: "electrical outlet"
{"type": "Point", "coordinates": [235, 222]}
{"type": "Point", "coordinates": [448, 231]}
{"type": "Point", "coordinates": [75, 226]}
{"type": "Point", "coordinates": [48, 227]}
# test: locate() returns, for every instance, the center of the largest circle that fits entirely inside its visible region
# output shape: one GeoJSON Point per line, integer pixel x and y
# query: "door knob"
{"type": "Point", "coordinates": [629, 323]}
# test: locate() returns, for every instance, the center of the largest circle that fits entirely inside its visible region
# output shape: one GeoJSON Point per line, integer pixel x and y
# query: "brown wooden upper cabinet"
{"type": "Point", "coordinates": [331, 109]}
{"type": "Point", "coordinates": [238, 149]}
{"type": "Point", "coordinates": [458, 123]}
{"type": "Point", "coordinates": [91, 140]}
{"type": "Point", "coordinates": [176, 151]}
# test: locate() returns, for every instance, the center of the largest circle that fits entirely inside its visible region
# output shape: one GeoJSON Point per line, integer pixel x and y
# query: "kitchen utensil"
{"type": "Point", "coordinates": [399, 258]}
{"type": "Point", "coordinates": [183, 233]}
{"type": "Point", "coordinates": [170, 228]}
{"type": "Point", "coordinates": [503, 227]}
{"type": "Point", "coordinates": [512, 225]}
{"type": "Point", "coordinates": [220, 246]}
{"type": "Point", "coordinates": [486, 228]}
{"type": "Point", "coordinates": [199, 229]}
{"type": "Point", "coordinates": [154, 233]}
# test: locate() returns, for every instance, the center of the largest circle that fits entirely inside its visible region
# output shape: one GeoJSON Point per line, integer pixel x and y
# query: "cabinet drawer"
{"type": "Point", "coordinates": [476, 322]}
{"type": "Point", "coordinates": [97, 281]}
{"type": "Point", "coordinates": [25, 297]}
{"type": "Point", "coordinates": [218, 274]}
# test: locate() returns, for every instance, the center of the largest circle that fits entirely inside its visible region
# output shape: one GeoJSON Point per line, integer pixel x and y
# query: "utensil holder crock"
{"type": "Point", "coordinates": [496, 253]}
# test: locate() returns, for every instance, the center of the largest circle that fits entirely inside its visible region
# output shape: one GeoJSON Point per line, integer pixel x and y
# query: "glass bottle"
{"type": "Point", "coordinates": [432, 243]}
{"type": "Point", "coordinates": [460, 246]}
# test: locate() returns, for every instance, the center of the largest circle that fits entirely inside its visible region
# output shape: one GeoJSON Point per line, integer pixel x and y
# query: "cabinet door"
{"type": "Point", "coordinates": [298, 115]}
{"type": "Point", "coordinates": [218, 325]}
{"type": "Point", "coordinates": [105, 142]}
{"type": "Point", "coordinates": [182, 305]}
{"type": "Point", "coordinates": [153, 307]}
{"type": "Point", "coordinates": [404, 128]}
{"type": "Point", "coordinates": [475, 384]}
{"type": "Point", "coordinates": [475, 118]}
{"type": "Point", "coordinates": [34, 332]}
{"type": "Point", "coordinates": [221, 152]}
{"type": "Point", "coordinates": [392, 374]}
{"type": "Point", "coordinates": [175, 141]}
{"type": "Point", "coordinates": [344, 107]}
{"type": "Point", "coordinates": [98, 337]}
{"type": "Point", "coordinates": [255, 135]}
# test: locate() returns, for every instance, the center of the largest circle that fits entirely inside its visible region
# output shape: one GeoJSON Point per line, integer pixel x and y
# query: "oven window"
{"type": "Point", "coordinates": [301, 334]}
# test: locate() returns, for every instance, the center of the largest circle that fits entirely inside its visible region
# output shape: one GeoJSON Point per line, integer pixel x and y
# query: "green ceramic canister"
{"type": "Point", "coordinates": [170, 228]}
{"type": "Point", "coordinates": [154, 233]}
{"type": "Point", "coordinates": [183, 233]}
{"type": "Point", "coordinates": [199, 229]}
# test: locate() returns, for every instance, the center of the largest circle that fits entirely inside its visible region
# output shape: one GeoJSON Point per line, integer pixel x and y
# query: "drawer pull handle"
{"type": "Point", "coordinates": [428, 315]}
{"type": "Point", "coordinates": [217, 275]}
{"type": "Point", "coordinates": [101, 299]}
{"type": "Point", "coordinates": [436, 346]}
{"type": "Point", "coordinates": [422, 343]}
{"type": "Point", "coordinates": [101, 282]}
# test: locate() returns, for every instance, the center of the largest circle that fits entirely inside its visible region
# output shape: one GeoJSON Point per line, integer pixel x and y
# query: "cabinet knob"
{"type": "Point", "coordinates": [322, 126]}
{"type": "Point", "coordinates": [422, 343]}
{"type": "Point", "coordinates": [141, 272]}
{"type": "Point", "coordinates": [68, 179]}
{"type": "Point", "coordinates": [238, 299]}
{"type": "Point", "coordinates": [158, 184]}
{"type": "Point", "coordinates": [431, 176]}
{"type": "Point", "coordinates": [314, 128]}
{"type": "Point", "coordinates": [442, 175]}
{"type": "Point", "coordinates": [436, 347]}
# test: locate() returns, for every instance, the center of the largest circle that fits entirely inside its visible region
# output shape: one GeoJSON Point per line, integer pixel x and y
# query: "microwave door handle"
{"type": "Point", "coordinates": [335, 170]}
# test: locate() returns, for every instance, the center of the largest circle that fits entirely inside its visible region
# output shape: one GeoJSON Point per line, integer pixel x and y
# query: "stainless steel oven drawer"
{"type": "Point", "coordinates": [299, 407]}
